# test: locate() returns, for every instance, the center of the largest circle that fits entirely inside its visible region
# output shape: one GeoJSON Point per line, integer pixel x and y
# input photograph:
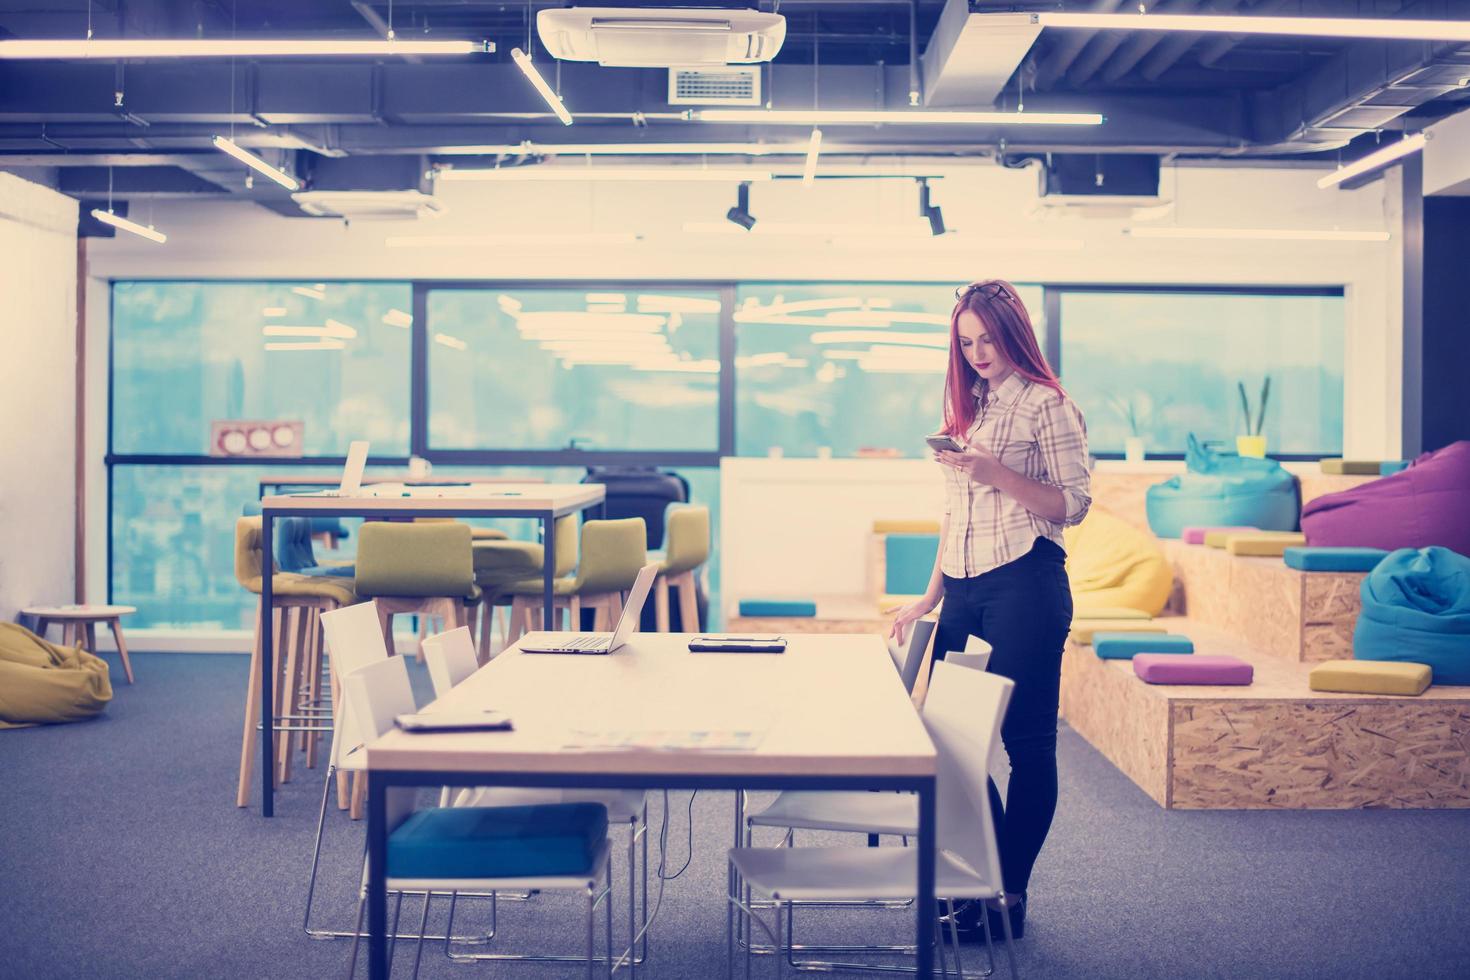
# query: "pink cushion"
{"type": "Point", "coordinates": [1196, 535]}
{"type": "Point", "coordinates": [1164, 668]}
{"type": "Point", "coordinates": [1419, 507]}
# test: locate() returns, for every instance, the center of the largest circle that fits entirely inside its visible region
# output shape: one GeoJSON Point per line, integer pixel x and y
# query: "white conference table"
{"type": "Point", "coordinates": [828, 714]}
{"type": "Point", "coordinates": [546, 501]}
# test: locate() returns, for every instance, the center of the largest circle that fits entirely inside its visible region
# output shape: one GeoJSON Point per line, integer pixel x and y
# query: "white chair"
{"type": "Point", "coordinates": [963, 715]}
{"type": "Point", "coordinates": [451, 658]}
{"type": "Point", "coordinates": [379, 693]}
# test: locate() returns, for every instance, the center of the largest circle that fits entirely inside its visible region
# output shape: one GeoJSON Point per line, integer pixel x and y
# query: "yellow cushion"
{"type": "Point", "coordinates": [1358, 467]}
{"type": "Point", "coordinates": [1089, 611]}
{"type": "Point", "coordinates": [1270, 543]}
{"type": "Point", "coordinates": [1112, 564]}
{"type": "Point", "coordinates": [1370, 677]}
{"type": "Point", "coordinates": [1082, 629]}
{"type": "Point", "coordinates": [905, 527]}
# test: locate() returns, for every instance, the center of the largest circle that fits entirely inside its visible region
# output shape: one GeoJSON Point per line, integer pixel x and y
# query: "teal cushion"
{"type": "Point", "coordinates": [777, 607]}
{"type": "Point", "coordinates": [1309, 559]}
{"type": "Point", "coordinates": [497, 841]}
{"type": "Point", "coordinates": [1392, 466]}
{"type": "Point", "coordinates": [1123, 645]}
{"type": "Point", "coordinates": [908, 562]}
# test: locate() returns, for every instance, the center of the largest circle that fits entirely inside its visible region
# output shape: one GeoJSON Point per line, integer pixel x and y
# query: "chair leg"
{"type": "Point", "coordinates": [574, 614]}
{"type": "Point", "coordinates": [517, 620]}
{"type": "Point", "coordinates": [313, 682]}
{"type": "Point", "coordinates": [661, 604]}
{"type": "Point", "coordinates": [385, 623]}
{"type": "Point", "coordinates": [122, 648]}
{"type": "Point", "coordinates": [252, 713]}
{"type": "Point", "coordinates": [487, 621]}
{"type": "Point", "coordinates": [286, 705]}
{"type": "Point", "coordinates": [91, 633]}
{"type": "Point", "coordinates": [688, 603]}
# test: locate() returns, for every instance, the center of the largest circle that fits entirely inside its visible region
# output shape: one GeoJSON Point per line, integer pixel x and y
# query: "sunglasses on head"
{"type": "Point", "coordinates": [989, 289]}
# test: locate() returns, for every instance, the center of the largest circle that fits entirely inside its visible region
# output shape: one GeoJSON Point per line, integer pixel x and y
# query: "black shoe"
{"type": "Point", "coordinates": [970, 929]}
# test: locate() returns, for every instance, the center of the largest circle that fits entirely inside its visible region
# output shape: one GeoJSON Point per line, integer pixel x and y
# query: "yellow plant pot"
{"type": "Point", "coordinates": [1251, 446]}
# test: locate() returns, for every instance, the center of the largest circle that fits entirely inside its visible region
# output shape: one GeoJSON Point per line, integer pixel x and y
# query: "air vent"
{"type": "Point", "coordinates": [715, 86]}
{"type": "Point", "coordinates": [369, 205]}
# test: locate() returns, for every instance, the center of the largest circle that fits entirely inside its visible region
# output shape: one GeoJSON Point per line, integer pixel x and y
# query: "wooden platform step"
{"type": "Point", "coordinates": [1273, 745]}
{"type": "Point", "coordinates": [1278, 610]}
{"type": "Point", "coordinates": [835, 614]}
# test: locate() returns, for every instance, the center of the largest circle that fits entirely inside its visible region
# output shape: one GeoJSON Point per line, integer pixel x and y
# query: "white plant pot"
{"type": "Point", "coordinates": [1133, 449]}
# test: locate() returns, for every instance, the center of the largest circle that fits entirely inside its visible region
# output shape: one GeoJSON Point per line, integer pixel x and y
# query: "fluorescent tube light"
{"type": "Point", "coordinates": [319, 291]}
{"type": "Point", "coordinates": [754, 311]}
{"type": "Point", "coordinates": [306, 345]}
{"type": "Point", "coordinates": [654, 303]}
{"type": "Point", "coordinates": [806, 228]}
{"type": "Point", "coordinates": [333, 329]}
{"type": "Point", "coordinates": [530, 240]}
{"type": "Point", "coordinates": [452, 342]}
{"type": "Point", "coordinates": [581, 320]}
{"type": "Point", "coordinates": [887, 337]}
{"type": "Point", "coordinates": [920, 117]}
{"type": "Point", "coordinates": [256, 163]}
{"type": "Point", "coordinates": [813, 150]}
{"type": "Point", "coordinates": [227, 48]}
{"type": "Point", "coordinates": [1376, 159]}
{"type": "Point", "coordinates": [528, 148]}
{"type": "Point", "coordinates": [1260, 234]}
{"type": "Point", "coordinates": [619, 298]}
{"type": "Point", "coordinates": [148, 232]}
{"type": "Point", "coordinates": [273, 311]}
{"type": "Point", "coordinates": [523, 62]}
{"type": "Point", "coordinates": [398, 318]}
{"type": "Point", "coordinates": [609, 174]}
{"type": "Point", "coordinates": [1347, 27]}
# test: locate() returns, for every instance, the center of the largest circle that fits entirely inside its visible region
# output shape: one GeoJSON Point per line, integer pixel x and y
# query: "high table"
{"type": "Point", "coordinates": [329, 480]}
{"type": "Point", "coordinates": [546, 501]}
{"type": "Point", "coordinates": [828, 714]}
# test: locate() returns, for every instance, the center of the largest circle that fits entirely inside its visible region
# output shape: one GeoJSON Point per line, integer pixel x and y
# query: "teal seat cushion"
{"type": "Point", "coordinates": [1309, 559]}
{"type": "Point", "coordinates": [1123, 645]}
{"type": "Point", "coordinates": [908, 562]}
{"type": "Point", "coordinates": [777, 607]}
{"type": "Point", "coordinates": [497, 841]}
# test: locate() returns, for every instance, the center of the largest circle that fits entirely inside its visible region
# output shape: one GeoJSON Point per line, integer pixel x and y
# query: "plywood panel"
{"type": "Point", "coordinates": [1331, 602]}
{"type": "Point", "coordinates": [1264, 605]}
{"type": "Point", "coordinates": [1204, 577]}
{"type": "Point", "coordinates": [1123, 718]}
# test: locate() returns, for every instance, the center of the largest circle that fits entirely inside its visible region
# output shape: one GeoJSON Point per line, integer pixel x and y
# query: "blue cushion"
{"type": "Point", "coordinates": [1309, 559]}
{"type": "Point", "coordinates": [1392, 466]}
{"type": "Point", "coordinates": [324, 571]}
{"type": "Point", "coordinates": [777, 607]}
{"type": "Point", "coordinates": [1122, 645]}
{"type": "Point", "coordinates": [908, 562]}
{"type": "Point", "coordinates": [1416, 609]}
{"type": "Point", "coordinates": [1224, 491]}
{"type": "Point", "coordinates": [497, 841]}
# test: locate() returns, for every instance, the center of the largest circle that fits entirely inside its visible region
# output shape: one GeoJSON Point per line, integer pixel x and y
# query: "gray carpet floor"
{"type": "Point", "coordinates": [122, 855]}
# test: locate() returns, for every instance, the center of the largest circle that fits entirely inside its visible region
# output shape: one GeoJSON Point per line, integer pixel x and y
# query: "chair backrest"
{"type": "Point", "coordinates": [688, 538]}
{"type": "Point", "coordinates": [976, 655]}
{"type": "Point", "coordinates": [354, 640]}
{"type": "Point", "coordinates": [612, 554]}
{"type": "Point", "coordinates": [640, 491]}
{"type": "Point", "coordinates": [963, 714]}
{"type": "Point", "coordinates": [415, 559]}
{"type": "Point", "coordinates": [247, 553]}
{"type": "Point", "coordinates": [450, 658]}
{"type": "Point", "coordinates": [377, 694]}
{"type": "Point", "coordinates": [567, 545]}
{"type": "Point", "coordinates": [909, 656]}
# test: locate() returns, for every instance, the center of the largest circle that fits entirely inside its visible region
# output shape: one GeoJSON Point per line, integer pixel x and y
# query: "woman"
{"type": "Point", "coordinates": [1021, 477]}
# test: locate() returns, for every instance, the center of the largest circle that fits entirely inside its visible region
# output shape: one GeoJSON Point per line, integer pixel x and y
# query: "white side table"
{"type": "Point", "coordinates": [79, 626]}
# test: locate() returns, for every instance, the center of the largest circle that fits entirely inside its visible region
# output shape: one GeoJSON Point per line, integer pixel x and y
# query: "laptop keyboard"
{"type": "Point", "coordinates": [586, 642]}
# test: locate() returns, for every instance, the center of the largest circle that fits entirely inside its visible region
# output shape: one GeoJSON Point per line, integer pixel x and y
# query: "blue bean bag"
{"type": "Point", "coordinates": [1416, 609]}
{"type": "Point", "coordinates": [1224, 491]}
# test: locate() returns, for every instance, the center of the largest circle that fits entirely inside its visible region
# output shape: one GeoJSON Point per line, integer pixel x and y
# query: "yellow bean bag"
{"type": "Point", "coordinates": [42, 682]}
{"type": "Point", "coordinates": [1111, 563]}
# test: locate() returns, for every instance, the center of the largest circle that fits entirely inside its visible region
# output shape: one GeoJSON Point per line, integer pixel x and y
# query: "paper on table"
{"type": "Point", "coordinates": [699, 740]}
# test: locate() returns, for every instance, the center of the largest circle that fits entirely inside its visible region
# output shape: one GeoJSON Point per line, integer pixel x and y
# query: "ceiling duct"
{"type": "Point", "coordinates": [383, 188]}
{"type": "Point", "coordinates": [726, 85]}
{"type": "Point", "coordinates": [639, 37]}
{"type": "Point", "coordinates": [1100, 184]}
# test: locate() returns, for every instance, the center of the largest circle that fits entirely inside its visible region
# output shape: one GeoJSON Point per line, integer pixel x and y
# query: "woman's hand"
{"type": "Point", "coordinates": [978, 464]}
{"type": "Point", "coordinates": [910, 614]}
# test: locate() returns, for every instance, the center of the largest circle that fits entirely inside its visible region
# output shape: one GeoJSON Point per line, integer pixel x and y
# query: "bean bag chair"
{"type": "Point", "coordinates": [1224, 491]}
{"type": "Point", "coordinates": [1427, 504]}
{"type": "Point", "coordinates": [1112, 564]}
{"type": "Point", "coordinates": [1416, 609]}
{"type": "Point", "coordinates": [42, 682]}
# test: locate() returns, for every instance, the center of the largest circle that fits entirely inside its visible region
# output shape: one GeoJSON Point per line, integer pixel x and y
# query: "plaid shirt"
{"type": "Point", "coordinates": [1038, 434]}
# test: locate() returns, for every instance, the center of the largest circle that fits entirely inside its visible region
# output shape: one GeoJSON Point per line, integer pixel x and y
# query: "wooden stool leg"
{"type": "Point", "coordinates": [661, 604]}
{"type": "Point", "coordinates": [89, 630]}
{"type": "Point", "coordinates": [359, 795]}
{"type": "Point", "coordinates": [122, 648]}
{"type": "Point", "coordinates": [282, 627]}
{"type": "Point", "coordinates": [487, 623]}
{"type": "Point", "coordinates": [574, 614]}
{"type": "Point", "coordinates": [385, 621]}
{"type": "Point", "coordinates": [688, 603]}
{"type": "Point", "coordinates": [313, 670]}
{"type": "Point", "coordinates": [517, 620]}
{"type": "Point", "coordinates": [289, 690]}
{"type": "Point", "coordinates": [252, 716]}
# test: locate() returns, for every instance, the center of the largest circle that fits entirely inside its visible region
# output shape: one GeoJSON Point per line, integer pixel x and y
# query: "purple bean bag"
{"type": "Point", "coordinates": [1425, 505]}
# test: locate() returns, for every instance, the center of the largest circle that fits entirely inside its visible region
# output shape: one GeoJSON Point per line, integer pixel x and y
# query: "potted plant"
{"type": "Point", "coordinates": [1131, 410]}
{"type": "Point", "coordinates": [1253, 443]}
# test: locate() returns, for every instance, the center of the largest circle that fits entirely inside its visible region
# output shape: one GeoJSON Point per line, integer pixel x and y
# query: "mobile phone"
{"type": "Point", "coordinates": [455, 721]}
{"type": "Point", "coordinates": [944, 443]}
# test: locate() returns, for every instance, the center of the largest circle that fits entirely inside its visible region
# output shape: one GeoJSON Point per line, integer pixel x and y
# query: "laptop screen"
{"type": "Point", "coordinates": [633, 611]}
{"type": "Point", "coordinates": [357, 454]}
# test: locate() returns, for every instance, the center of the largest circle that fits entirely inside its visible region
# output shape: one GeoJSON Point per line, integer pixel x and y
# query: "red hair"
{"type": "Point", "coordinates": [1005, 319]}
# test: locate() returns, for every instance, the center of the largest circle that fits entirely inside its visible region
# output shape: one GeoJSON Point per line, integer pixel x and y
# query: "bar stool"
{"type": "Point", "coordinates": [611, 554]}
{"type": "Point", "coordinates": [688, 549]}
{"type": "Point", "coordinates": [499, 564]}
{"type": "Point", "coordinates": [422, 568]}
{"type": "Point", "coordinates": [297, 601]}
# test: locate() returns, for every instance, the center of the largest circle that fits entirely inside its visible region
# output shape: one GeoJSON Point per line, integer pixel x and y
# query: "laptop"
{"type": "Point", "coordinates": [542, 641]}
{"type": "Point", "coordinates": [357, 454]}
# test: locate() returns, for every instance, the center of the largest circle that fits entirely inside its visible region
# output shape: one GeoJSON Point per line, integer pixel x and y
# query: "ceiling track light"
{"type": "Point", "coordinates": [142, 231]}
{"type": "Point", "coordinates": [740, 213]}
{"type": "Point", "coordinates": [563, 173]}
{"type": "Point", "coordinates": [1376, 160]}
{"type": "Point", "coordinates": [108, 50]}
{"type": "Point", "coordinates": [256, 163]}
{"type": "Point", "coordinates": [913, 117]}
{"type": "Point", "coordinates": [1258, 234]}
{"type": "Point", "coordinates": [932, 214]}
{"type": "Point", "coordinates": [1344, 27]}
{"type": "Point", "coordinates": [523, 62]}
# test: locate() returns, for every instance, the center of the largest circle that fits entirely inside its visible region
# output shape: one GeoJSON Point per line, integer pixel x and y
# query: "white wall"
{"type": "Point", "coordinates": [38, 280]}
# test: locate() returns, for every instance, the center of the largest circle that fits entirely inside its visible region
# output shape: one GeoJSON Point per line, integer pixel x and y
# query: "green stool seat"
{"type": "Point", "coordinates": [1122, 646]}
{"type": "Point", "coordinates": [498, 841]}
{"type": "Point", "coordinates": [777, 607]}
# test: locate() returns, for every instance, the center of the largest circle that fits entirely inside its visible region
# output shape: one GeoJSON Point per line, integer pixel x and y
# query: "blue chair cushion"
{"type": "Point", "coordinates": [777, 607]}
{"type": "Point", "coordinates": [908, 561]}
{"type": "Point", "coordinates": [1122, 645]}
{"type": "Point", "coordinates": [1309, 559]}
{"type": "Point", "coordinates": [497, 841]}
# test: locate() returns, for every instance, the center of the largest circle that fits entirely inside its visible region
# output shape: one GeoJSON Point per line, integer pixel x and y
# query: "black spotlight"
{"type": "Point", "coordinates": [740, 213]}
{"type": "Point", "coordinates": [932, 213]}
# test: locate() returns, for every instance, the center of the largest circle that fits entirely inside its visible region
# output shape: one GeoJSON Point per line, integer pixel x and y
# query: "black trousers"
{"type": "Point", "coordinates": [1023, 609]}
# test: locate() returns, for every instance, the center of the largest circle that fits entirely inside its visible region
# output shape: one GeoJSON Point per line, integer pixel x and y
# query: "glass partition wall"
{"type": "Point", "coordinates": [536, 378]}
